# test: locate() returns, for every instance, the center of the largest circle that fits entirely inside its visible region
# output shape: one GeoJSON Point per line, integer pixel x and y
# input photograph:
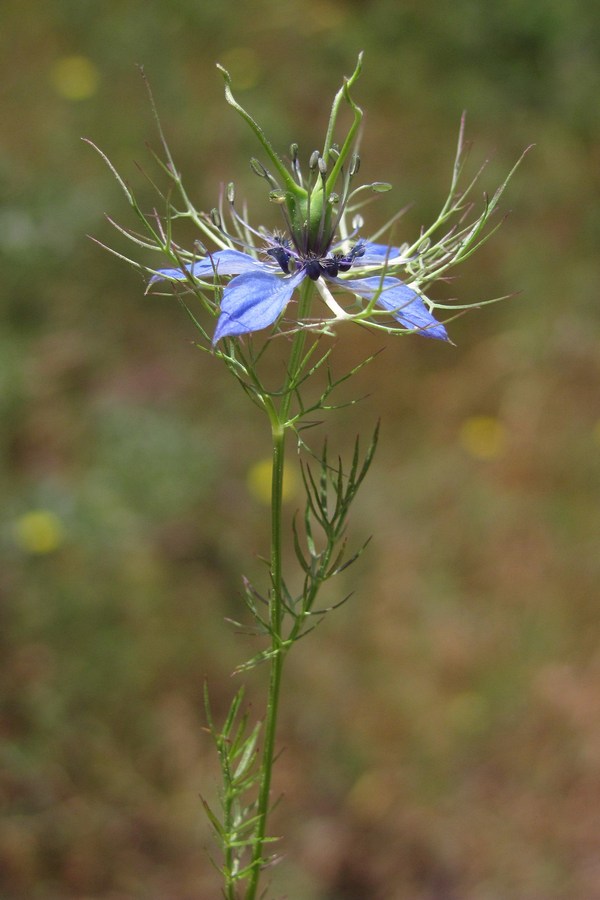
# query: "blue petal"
{"type": "Point", "coordinates": [254, 301]}
{"type": "Point", "coordinates": [405, 304]}
{"type": "Point", "coordinates": [377, 254]}
{"type": "Point", "coordinates": [224, 262]}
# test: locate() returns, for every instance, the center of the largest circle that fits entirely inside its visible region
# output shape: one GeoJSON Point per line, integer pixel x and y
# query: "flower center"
{"type": "Point", "coordinates": [315, 266]}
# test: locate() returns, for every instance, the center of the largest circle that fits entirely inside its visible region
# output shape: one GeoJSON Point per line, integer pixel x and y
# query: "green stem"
{"type": "Point", "coordinates": [279, 426]}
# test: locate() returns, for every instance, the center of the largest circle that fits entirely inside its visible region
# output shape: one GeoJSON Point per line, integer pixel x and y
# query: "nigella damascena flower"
{"type": "Point", "coordinates": [316, 244]}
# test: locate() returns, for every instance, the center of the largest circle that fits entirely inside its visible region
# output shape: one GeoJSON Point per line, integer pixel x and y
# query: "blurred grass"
{"type": "Point", "coordinates": [451, 746]}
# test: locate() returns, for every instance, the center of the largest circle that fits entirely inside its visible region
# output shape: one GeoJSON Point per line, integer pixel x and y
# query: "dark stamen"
{"type": "Point", "coordinates": [313, 269]}
{"type": "Point", "coordinates": [282, 256]}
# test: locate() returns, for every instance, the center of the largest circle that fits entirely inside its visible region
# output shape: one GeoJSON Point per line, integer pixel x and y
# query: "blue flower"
{"type": "Point", "coordinates": [259, 291]}
{"type": "Point", "coordinates": [317, 243]}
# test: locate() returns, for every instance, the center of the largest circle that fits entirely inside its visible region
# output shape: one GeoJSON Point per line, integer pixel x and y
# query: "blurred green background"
{"type": "Point", "coordinates": [441, 731]}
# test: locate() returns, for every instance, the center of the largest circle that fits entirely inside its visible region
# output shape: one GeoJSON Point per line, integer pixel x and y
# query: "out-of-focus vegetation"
{"type": "Point", "coordinates": [441, 732]}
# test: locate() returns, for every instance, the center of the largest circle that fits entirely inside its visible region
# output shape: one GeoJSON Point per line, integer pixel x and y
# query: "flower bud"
{"type": "Point", "coordinates": [380, 187]}
{"type": "Point", "coordinates": [314, 160]}
{"type": "Point", "coordinates": [231, 192]}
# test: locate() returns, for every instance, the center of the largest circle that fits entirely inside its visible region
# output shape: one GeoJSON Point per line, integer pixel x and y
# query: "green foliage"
{"type": "Point", "coordinates": [237, 749]}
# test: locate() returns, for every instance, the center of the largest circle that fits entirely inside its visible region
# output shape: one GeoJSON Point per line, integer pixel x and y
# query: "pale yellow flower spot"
{"type": "Point", "coordinates": [483, 437]}
{"type": "Point", "coordinates": [75, 77]}
{"type": "Point", "coordinates": [258, 481]}
{"type": "Point", "coordinates": [39, 532]}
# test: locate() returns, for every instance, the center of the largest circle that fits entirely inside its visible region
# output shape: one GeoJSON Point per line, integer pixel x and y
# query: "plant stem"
{"type": "Point", "coordinates": [279, 427]}
{"type": "Point", "coordinates": [276, 662]}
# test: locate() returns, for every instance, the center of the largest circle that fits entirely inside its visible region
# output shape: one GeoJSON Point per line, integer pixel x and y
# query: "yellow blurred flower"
{"type": "Point", "coordinates": [258, 481]}
{"type": "Point", "coordinates": [483, 437]}
{"type": "Point", "coordinates": [39, 532]}
{"type": "Point", "coordinates": [75, 77]}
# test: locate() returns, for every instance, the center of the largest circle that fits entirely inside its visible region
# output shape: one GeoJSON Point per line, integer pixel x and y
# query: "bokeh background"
{"type": "Point", "coordinates": [441, 731]}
